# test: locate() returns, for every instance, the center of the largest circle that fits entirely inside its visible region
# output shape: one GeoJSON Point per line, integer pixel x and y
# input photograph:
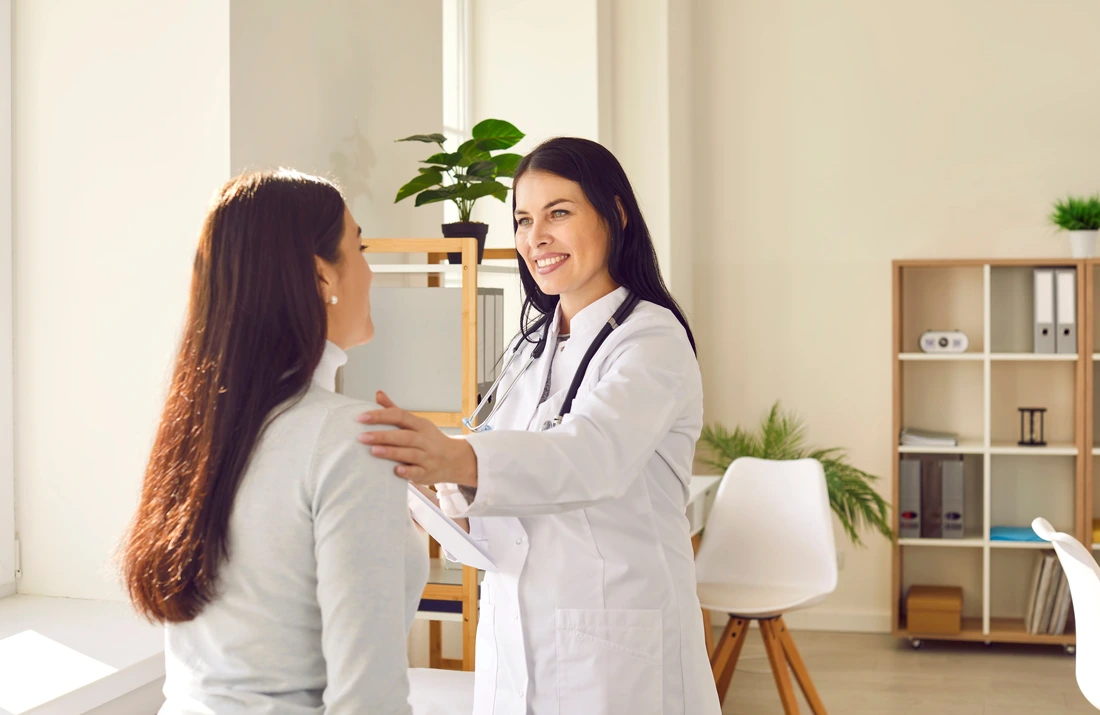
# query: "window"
{"type": "Point", "coordinates": [7, 436]}
{"type": "Point", "coordinates": [456, 92]}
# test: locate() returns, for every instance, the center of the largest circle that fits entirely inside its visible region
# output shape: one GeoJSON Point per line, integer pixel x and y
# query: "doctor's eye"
{"type": "Point", "coordinates": [362, 248]}
{"type": "Point", "coordinates": [559, 213]}
{"type": "Point", "coordinates": [524, 221]}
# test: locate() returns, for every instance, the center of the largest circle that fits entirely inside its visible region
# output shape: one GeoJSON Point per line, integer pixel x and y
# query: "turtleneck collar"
{"type": "Point", "coordinates": [332, 359]}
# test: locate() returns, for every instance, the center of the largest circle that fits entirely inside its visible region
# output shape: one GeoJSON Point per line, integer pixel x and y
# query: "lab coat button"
{"type": "Point", "coordinates": [519, 541]}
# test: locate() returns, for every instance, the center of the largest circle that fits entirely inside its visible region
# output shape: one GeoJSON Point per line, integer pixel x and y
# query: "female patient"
{"type": "Point", "coordinates": [277, 551]}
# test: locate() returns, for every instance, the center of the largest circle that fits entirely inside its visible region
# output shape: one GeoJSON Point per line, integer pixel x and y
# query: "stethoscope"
{"type": "Point", "coordinates": [613, 322]}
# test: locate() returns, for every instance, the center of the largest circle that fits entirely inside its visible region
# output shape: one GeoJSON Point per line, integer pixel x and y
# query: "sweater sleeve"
{"type": "Point", "coordinates": [360, 527]}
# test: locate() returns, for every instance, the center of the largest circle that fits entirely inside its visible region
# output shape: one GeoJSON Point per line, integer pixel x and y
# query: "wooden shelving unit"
{"type": "Point", "coordinates": [975, 395]}
{"type": "Point", "coordinates": [445, 584]}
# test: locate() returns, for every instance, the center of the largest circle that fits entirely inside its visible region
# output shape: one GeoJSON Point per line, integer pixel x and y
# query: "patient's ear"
{"type": "Point", "coordinates": [327, 277]}
{"type": "Point", "coordinates": [622, 211]}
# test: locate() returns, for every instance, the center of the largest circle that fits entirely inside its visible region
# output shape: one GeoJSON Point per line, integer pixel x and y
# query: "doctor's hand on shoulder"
{"type": "Point", "coordinates": [424, 454]}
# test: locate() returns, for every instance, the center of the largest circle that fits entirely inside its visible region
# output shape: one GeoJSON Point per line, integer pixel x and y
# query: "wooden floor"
{"type": "Point", "coordinates": [860, 674]}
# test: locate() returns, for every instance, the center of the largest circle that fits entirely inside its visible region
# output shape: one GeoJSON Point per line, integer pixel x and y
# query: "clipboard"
{"type": "Point", "coordinates": [452, 537]}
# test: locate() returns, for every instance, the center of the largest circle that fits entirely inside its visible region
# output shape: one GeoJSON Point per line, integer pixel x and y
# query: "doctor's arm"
{"type": "Point", "coordinates": [602, 445]}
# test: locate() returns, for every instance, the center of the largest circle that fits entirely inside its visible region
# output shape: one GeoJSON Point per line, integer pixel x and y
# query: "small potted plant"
{"type": "Point", "coordinates": [781, 436]}
{"type": "Point", "coordinates": [1081, 218]}
{"type": "Point", "coordinates": [469, 173]}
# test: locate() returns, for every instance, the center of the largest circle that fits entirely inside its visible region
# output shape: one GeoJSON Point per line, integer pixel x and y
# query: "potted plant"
{"type": "Point", "coordinates": [782, 436]}
{"type": "Point", "coordinates": [1081, 217]}
{"type": "Point", "coordinates": [469, 173]}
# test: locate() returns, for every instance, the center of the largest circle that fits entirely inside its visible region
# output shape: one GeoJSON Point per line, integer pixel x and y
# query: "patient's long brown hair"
{"type": "Point", "coordinates": [254, 333]}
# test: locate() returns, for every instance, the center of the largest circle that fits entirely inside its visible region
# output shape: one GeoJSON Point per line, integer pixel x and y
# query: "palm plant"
{"type": "Point", "coordinates": [782, 436]}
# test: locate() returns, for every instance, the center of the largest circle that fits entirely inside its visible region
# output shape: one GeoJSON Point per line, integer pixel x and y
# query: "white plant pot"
{"type": "Point", "coordinates": [1083, 243]}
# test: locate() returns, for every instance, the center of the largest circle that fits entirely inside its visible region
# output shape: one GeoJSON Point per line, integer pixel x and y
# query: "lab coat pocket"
{"type": "Point", "coordinates": [485, 655]}
{"type": "Point", "coordinates": [609, 661]}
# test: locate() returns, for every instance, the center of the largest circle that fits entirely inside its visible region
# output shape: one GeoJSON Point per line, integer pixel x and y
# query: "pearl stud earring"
{"type": "Point", "coordinates": [332, 300]}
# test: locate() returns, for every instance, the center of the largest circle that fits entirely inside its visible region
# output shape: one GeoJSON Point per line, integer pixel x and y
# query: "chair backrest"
{"type": "Point", "coordinates": [770, 524]}
{"type": "Point", "coordinates": [1083, 576]}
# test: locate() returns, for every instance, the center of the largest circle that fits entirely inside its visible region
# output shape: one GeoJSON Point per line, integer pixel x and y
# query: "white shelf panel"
{"type": "Point", "coordinates": [1000, 357]}
{"type": "Point", "coordinates": [941, 357]}
{"type": "Point", "coordinates": [1033, 357]}
{"type": "Point", "coordinates": [1020, 545]}
{"type": "Point", "coordinates": [1096, 451]}
{"type": "Point", "coordinates": [1051, 450]}
{"type": "Point", "coordinates": [967, 542]}
{"type": "Point", "coordinates": [1096, 356]}
{"type": "Point", "coordinates": [1096, 547]}
{"type": "Point", "coordinates": [441, 268]}
{"type": "Point", "coordinates": [964, 447]}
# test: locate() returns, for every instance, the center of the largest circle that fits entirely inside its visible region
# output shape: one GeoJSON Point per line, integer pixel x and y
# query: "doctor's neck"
{"type": "Point", "coordinates": [575, 301]}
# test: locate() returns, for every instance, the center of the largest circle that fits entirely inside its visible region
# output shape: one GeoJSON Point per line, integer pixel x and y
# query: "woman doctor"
{"type": "Point", "coordinates": [594, 608]}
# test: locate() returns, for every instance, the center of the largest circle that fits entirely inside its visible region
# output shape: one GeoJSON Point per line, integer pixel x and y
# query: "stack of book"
{"type": "Point", "coordinates": [913, 437]}
{"type": "Point", "coordinates": [1049, 604]}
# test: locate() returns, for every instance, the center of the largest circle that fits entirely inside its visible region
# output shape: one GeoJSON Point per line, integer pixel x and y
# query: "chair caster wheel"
{"type": "Point", "coordinates": [1070, 649]}
{"type": "Point", "coordinates": [916, 643]}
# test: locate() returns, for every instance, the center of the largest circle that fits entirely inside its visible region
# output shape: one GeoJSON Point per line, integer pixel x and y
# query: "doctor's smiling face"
{"type": "Point", "coordinates": [563, 239]}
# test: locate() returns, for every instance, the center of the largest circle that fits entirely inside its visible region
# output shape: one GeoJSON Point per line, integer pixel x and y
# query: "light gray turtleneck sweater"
{"type": "Point", "coordinates": [324, 576]}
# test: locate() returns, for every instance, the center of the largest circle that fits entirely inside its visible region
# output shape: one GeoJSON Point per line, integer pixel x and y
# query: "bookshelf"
{"type": "Point", "coordinates": [975, 395]}
{"type": "Point", "coordinates": [448, 585]}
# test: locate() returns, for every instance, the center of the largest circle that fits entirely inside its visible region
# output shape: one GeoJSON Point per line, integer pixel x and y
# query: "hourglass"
{"type": "Point", "coordinates": [1029, 435]}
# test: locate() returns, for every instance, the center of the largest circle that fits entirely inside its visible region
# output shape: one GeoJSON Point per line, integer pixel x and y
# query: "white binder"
{"type": "Point", "coordinates": [1044, 310]}
{"type": "Point", "coordinates": [1065, 310]}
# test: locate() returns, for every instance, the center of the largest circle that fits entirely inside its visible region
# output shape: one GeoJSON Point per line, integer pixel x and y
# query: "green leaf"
{"type": "Point", "coordinates": [506, 164]}
{"type": "Point", "coordinates": [469, 154]}
{"type": "Point", "coordinates": [426, 138]}
{"type": "Point", "coordinates": [1077, 214]}
{"type": "Point", "coordinates": [424, 181]}
{"type": "Point", "coordinates": [485, 188]}
{"type": "Point", "coordinates": [448, 160]}
{"type": "Point", "coordinates": [482, 169]}
{"type": "Point", "coordinates": [496, 134]}
{"type": "Point", "coordinates": [781, 436]}
{"type": "Point", "coordinates": [436, 195]}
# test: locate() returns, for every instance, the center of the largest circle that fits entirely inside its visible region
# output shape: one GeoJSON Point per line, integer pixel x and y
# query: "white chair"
{"type": "Point", "coordinates": [767, 549]}
{"type": "Point", "coordinates": [1083, 576]}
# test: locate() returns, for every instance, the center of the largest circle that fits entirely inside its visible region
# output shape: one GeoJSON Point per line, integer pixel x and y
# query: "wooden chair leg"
{"type": "Point", "coordinates": [778, 661]}
{"type": "Point", "coordinates": [708, 633]}
{"type": "Point", "coordinates": [726, 654]}
{"type": "Point", "coordinates": [800, 673]}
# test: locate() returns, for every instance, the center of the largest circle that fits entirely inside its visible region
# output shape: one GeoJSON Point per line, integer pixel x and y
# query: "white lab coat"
{"type": "Point", "coordinates": [594, 609]}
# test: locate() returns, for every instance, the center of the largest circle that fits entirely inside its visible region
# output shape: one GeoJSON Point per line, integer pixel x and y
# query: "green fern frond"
{"type": "Point", "coordinates": [782, 436]}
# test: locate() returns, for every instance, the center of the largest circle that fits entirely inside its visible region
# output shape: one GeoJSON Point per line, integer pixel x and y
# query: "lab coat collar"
{"type": "Point", "coordinates": [592, 317]}
{"type": "Point", "coordinates": [332, 359]}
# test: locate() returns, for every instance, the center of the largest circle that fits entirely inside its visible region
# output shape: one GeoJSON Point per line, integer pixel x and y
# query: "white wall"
{"type": "Point", "coordinates": [832, 138]}
{"type": "Point", "coordinates": [121, 128]}
{"type": "Point", "coordinates": [651, 81]}
{"type": "Point", "coordinates": [329, 87]}
{"type": "Point", "coordinates": [7, 445]}
{"type": "Point", "coordinates": [539, 70]}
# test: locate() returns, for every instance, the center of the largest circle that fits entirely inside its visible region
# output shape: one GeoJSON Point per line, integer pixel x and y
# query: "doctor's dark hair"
{"type": "Point", "coordinates": [254, 333]}
{"type": "Point", "coordinates": [632, 259]}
